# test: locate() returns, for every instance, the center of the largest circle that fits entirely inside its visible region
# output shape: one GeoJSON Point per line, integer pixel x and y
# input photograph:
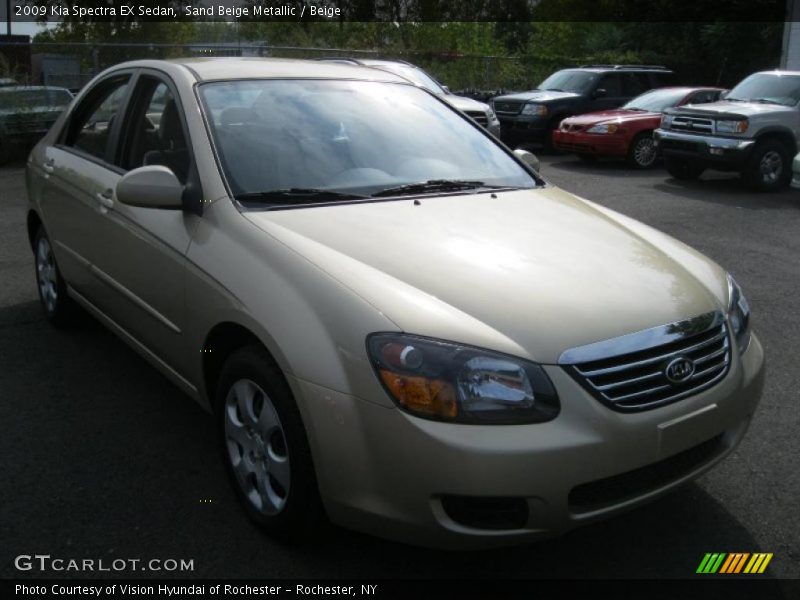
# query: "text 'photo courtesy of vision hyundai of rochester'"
{"type": "Point", "coordinates": [397, 324]}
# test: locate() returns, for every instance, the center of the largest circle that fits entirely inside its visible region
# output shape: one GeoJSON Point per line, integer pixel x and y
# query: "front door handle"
{"type": "Point", "coordinates": [106, 199]}
{"type": "Point", "coordinates": [49, 165]}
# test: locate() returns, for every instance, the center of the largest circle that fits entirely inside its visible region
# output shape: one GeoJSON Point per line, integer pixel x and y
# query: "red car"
{"type": "Point", "coordinates": [627, 132]}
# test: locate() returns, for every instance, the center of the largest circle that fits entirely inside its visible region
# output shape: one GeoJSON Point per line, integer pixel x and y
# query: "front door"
{"type": "Point", "coordinates": [139, 253]}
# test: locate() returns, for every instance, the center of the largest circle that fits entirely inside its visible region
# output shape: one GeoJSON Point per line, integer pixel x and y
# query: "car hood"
{"type": "Point", "coordinates": [621, 115]}
{"type": "Point", "coordinates": [725, 108]}
{"type": "Point", "coordinates": [465, 104]}
{"type": "Point", "coordinates": [536, 95]}
{"type": "Point", "coordinates": [529, 272]}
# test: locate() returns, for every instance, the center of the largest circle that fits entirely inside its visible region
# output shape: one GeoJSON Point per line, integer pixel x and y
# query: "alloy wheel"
{"type": "Point", "coordinates": [771, 167]}
{"type": "Point", "coordinates": [46, 274]}
{"type": "Point", "coordinates": [644, 152]}
{"type": "Point", "coordinates": [256, 447]}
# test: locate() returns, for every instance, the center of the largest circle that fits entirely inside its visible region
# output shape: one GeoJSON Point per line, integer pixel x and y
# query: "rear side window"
{"type": "Point", "coordinates": [704, 97]}
{"type": "Point", "coordinates": [90, 129]}
{"type": "Point", "coordinates": [634, 84]}
{"type": "Point", "coordinates": [662, 79]}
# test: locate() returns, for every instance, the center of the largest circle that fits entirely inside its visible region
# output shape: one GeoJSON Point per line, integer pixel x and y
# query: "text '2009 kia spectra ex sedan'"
{"type": "Point", "coordinates": [397, 324]}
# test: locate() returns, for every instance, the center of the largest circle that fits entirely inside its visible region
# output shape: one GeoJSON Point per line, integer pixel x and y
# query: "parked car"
{"type": "Point", "coordinates": [753, 130]}
{"type": "Point", "coordinates": [532, 116]}
{"type": "Point", "coordinates": [480, 112]}
{"type": "Point", "coordinates": [26, 114]}
{"type": "Point", "coordinates": [796, 172]}
{"type": "Point", "coordinates": [627, 132]}
{"type": "Point", "coordinates": [394, 320]}
{"type": "Point", "coordinates": [7, 82]}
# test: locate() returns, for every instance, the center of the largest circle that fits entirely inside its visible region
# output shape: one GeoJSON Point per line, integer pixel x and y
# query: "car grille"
{"type": "Point", "coordinates": [608, 492]}
{"type": "Point", "coordinates": [634, 373]}
{"type": "Point", "coordinates": [693, 125]}
{"type": "Point", "coordinates": [479, 117]}
{"type": "Point", "coordinates": [508, 107]}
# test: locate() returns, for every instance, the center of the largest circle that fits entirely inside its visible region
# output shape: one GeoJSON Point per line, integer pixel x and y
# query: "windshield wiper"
{"type": "Point", "coordinates": [766, 101]}
{"type": "Point", "coordinates": [297, 196]}
{"type": "Point", "coordinates": [553, 90]}
{"type": "Point", "coordinates": [435, 185]}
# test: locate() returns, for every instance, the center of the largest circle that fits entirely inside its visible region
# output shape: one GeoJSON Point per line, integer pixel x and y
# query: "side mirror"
{"type": "Point", "coordinates": [723, 94]}
{"type": "Point", "coordinates": [154, 186]}
{"type": "Point", "coordinates": [529, 158]}
{"type": "Point", "coordinates": [600, 93]}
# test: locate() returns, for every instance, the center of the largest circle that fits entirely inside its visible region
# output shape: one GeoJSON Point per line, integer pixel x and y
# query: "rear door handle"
{"type": "Point", "coordinates": [49, 165]}
{"type": "Point", "coordinates": [106, 199]}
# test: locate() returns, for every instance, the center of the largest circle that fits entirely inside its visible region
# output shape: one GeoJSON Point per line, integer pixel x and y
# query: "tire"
{"type": "Point", "coordinates": [683, 169]}
{"type": "Point", "coordinates": [642, 153]}
{"type": "Point", "coordinates": [58, 308]}
{"type": "Point", "coordinates": [266, 454]}
{"type": "Point", "coordinates": [769, 167]}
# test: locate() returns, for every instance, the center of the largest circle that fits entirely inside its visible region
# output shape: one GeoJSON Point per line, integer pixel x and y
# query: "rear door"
{"type": "Point", "coordinates": [139, 253]}
{"type": "Point", "coordinates": [80, 170]}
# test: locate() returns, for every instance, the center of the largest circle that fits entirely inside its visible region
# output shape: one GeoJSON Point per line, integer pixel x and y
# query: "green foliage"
{"type": "Point", "coordinates": [485, 55]}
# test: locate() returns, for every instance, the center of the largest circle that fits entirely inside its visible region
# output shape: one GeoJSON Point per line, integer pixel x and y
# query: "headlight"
{"type": "Point", "coordinates": [738, 314]}
{"type": "Point", "coordinates": [491, 117]}
{"type": "Point", "coordinates": [445, 381]}
{"type": "Point", "coordinates": [534, 109]}
{"type": "Point", "coordinates": [603, 128]}
{"type": "Point", "coordinates": [666, 121]}
{"type": "Point", "coordinates": [732, 126]}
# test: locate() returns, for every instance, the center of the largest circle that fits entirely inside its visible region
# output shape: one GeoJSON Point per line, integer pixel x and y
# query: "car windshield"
{"type": "Point", "coordinates": [770, 88]}
{"type": "Point", "coordinates": [657, 100]}
{"type": "Point", "coordinates": [298, 141]}
{"type": "Point", "coordinates": [413, 74]}
{"type": "Point", "coordinates": [569, 81]}
{"type": "Point", "coordinates": [34, 99]}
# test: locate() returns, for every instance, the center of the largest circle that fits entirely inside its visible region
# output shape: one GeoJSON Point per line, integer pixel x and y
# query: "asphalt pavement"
{"type": "Point", "coordinates": [101, 457]}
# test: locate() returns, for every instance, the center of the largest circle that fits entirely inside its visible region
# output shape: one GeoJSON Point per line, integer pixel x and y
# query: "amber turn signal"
{"type": "Point", "coordinates": [432, 397]}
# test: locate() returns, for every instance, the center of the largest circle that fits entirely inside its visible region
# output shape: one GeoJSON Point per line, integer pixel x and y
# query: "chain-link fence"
{"type": "Point", "coordinates": [71, 65]}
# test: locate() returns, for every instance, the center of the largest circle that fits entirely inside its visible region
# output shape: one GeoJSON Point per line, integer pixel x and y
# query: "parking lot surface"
{"type": "Point", "coordinates": [101, 457]}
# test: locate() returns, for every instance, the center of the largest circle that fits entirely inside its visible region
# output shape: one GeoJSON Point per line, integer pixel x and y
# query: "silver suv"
{"type": "Point", "coordinates": [753, 130]}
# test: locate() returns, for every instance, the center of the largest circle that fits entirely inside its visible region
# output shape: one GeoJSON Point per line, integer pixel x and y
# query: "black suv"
{"type": "Point", "coordinates": [532, 116]}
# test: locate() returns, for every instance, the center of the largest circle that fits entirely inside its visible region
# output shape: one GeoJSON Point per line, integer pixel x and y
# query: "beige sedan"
{"type": "Point", "coordinates": [397, 324]}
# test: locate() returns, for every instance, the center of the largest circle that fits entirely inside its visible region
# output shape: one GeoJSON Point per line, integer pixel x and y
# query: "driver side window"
{"type": "Point", "coordinates": [156, 133]}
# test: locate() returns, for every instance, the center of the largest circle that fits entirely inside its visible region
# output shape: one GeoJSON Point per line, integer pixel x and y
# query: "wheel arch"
{"type": "Point", "coordinates": [781, 134]}
{"type": "Point", "coordinates": [33, 223]}
{"type": "Point", "coordinates": [221, 341]}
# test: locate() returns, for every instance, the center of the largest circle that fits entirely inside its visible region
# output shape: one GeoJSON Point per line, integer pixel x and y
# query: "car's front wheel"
{"type": "Point", "coordinates": [264, 446]}
{"type": "Point", "coordinates": [769, 167]}
{"type": "Point", "coordinates": [57, 306]}
{"type": "Point", "coordinates": [643, 152]}
{"type": "Point", "coordinates": [683, 169]}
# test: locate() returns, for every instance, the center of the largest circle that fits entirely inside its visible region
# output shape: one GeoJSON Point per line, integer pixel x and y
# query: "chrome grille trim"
{"type": "Point", "coordinates": [628, 373]}
{"type": "Point", "coordinates": [694, 124]}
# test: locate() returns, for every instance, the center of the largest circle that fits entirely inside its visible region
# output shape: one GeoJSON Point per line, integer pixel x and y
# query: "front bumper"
{"type": "Point", "coordinates": [524, 128]}
{"type": "Point", "coordinates": [591, 143]}
{"type": "Point", "coordinates": [385, 472]}
{"type": "Point", "coordinates": [710, 149]}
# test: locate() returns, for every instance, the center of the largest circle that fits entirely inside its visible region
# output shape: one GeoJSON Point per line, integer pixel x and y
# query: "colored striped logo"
{"type": "Point", "coordinates": [734, 562]}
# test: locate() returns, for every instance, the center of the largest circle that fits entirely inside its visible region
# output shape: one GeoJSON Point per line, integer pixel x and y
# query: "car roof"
{"type": "Point", "coordinates": [232, 68]}
{"type": "Point", "coordinates": [619, 68]}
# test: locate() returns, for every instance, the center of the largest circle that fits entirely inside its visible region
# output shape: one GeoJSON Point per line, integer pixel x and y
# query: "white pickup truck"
{"type": "Point", "coordinates": [753, 130]}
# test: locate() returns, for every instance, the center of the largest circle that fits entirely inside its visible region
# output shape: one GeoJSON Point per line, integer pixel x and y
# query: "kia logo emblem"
{"type": "Point", "coordinates": [679, 370]}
